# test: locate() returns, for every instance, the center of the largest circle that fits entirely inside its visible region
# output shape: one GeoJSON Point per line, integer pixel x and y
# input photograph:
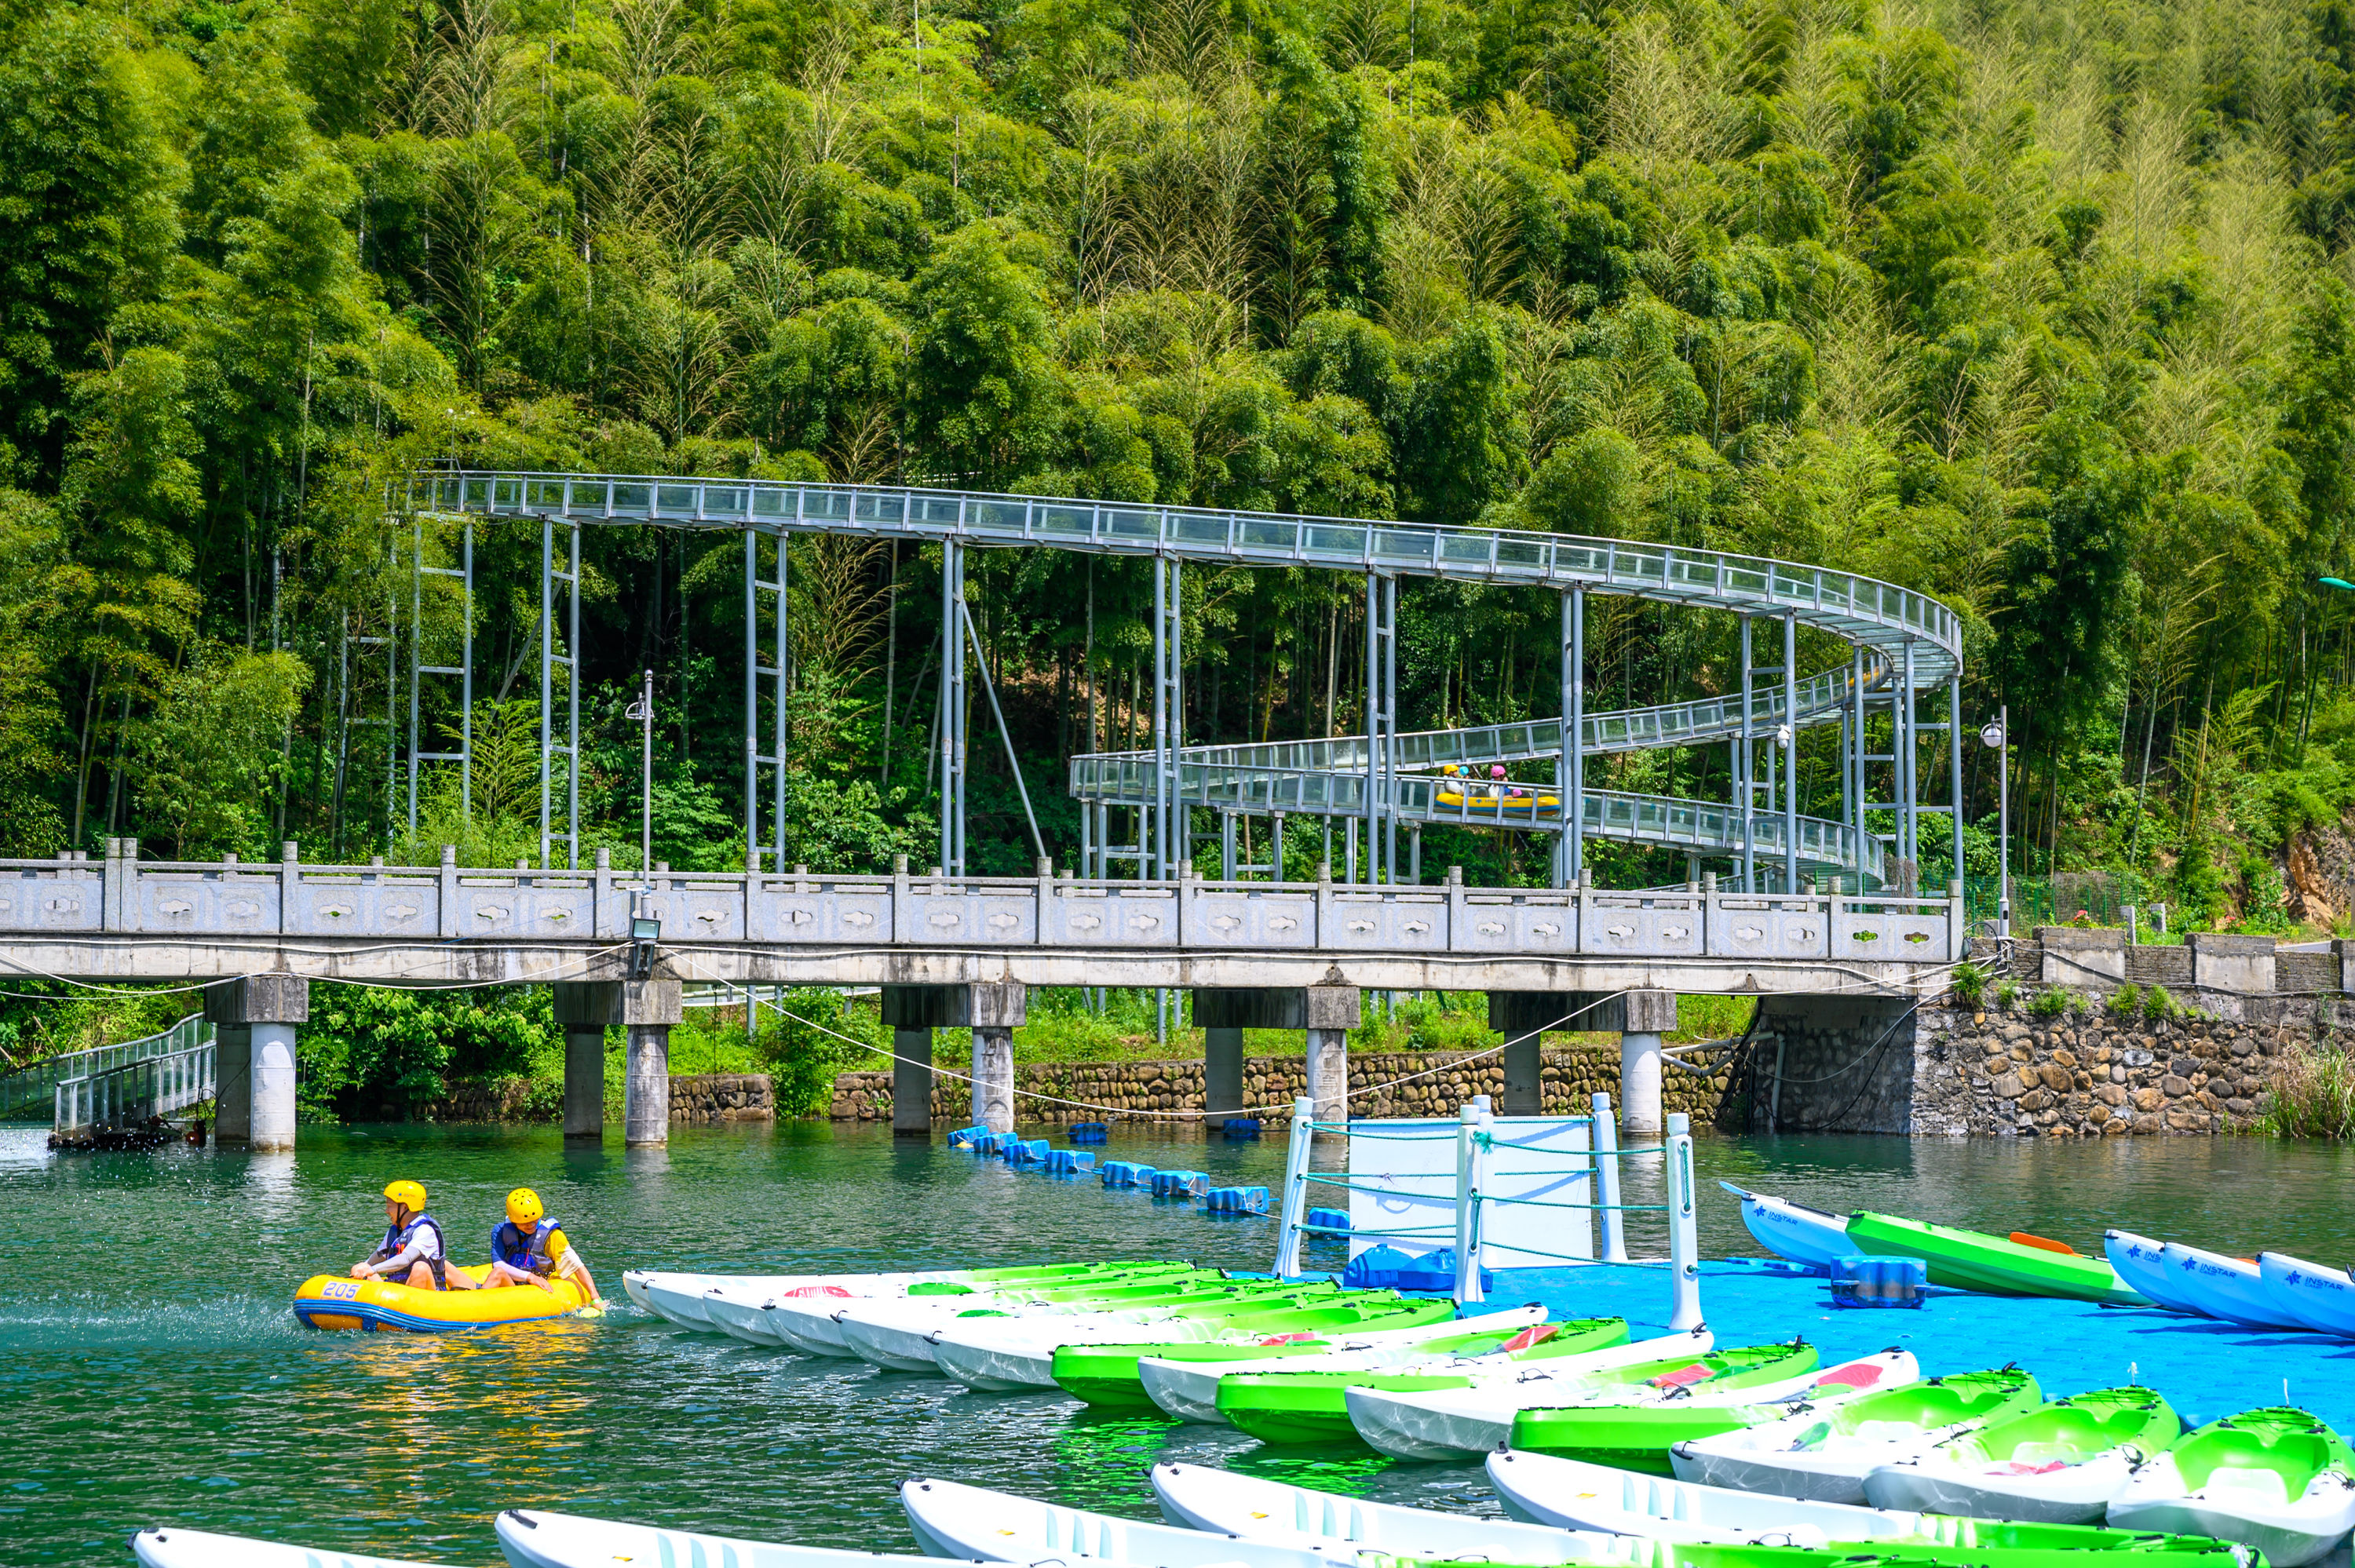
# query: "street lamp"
{"type": "Point", "coordinates": [643, 710]}
{"type": "Point", "coordinates": [1996, 738]}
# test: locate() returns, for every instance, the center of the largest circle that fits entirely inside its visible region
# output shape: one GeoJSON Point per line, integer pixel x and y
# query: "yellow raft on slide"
{"type": "Point", "coordinates": [372, 1306]}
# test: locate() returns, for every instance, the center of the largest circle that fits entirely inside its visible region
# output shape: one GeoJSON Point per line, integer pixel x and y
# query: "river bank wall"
{"type": "Point", "coordinates": [1383, 1084]}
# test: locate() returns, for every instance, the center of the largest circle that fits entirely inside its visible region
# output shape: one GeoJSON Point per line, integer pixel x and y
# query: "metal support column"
{"type": "Point", "coordinates": [1169, 844]}
{"type": "Point", "coordinates": [551, 578]}
{"type": "Point", "coordinates": [952, 706]}
{"type": "Point", "coordinates": [1570, 780]}
{"type": "Point", "coordinates": [1908, 757]}
{"type": "Point", "coordinates": [1955, 769]}
{"type": "Point", "coordinates": [464, 669]}
{"type": "Point", "coordinates": [1787, 735]}
{"type": "Point", "coordinates": [1381, 723]}
{"type": "Point", "coordinates": [1744, 761]}
{"type": "Point", "coordinates": [757, 848]}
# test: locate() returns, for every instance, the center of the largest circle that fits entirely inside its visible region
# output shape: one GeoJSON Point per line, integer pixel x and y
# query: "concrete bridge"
{"type": "Point", "coordinates": [948, 952]}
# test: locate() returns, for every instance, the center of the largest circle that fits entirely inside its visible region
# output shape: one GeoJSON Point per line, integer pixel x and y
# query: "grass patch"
{"type": "Point", "coordinates": [2312, 1096]}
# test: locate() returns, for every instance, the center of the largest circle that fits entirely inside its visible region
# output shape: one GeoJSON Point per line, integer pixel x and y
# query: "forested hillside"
{"type": "Point", "coordinates": [2042, 308]}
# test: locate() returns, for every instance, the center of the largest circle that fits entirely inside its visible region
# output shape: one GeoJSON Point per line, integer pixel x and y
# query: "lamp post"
{"type": "Point", "coordinates": [643, 710]}
{"type": "Point", "coordinates": [1996, 738]}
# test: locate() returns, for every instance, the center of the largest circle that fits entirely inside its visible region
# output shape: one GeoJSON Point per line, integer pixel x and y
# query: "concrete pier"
{"type": "Point", "coordinates": [584, 1009]}
{"type": "Point", "coordinates": [1222, 1072]}
{"type": "Point", "coordinates": [1647, 1015]}
{"type": "Point", "coordinates": [997, 1011]}
{"type": "Point", "coordinates": [255, 1019]}
{"type": "Point", "coordinates": [1332, 1013]}
{"type": "Point", "coordinates": [649, 1007]}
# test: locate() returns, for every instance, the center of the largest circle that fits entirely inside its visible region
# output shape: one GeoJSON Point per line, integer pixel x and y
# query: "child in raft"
{"type": "Point", "coordinates": [528, 1247]}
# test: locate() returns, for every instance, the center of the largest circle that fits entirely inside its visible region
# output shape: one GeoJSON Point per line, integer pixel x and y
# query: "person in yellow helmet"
{"type": "Point", "coordinates": [412, 1252]}
{"type": "Point", "coordinates": [529, 1248]}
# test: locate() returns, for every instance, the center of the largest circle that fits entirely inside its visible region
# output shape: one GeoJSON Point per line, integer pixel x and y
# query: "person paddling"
{"type": "Point", "coordinates": [412, 1253]}
{"type": "Point", "coordinates": [528, 1247]}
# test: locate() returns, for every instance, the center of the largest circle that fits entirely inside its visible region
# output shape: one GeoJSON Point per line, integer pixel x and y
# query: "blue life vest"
{"type": "Point", "coordinates": [397, 1237]}
{"type": "Point", "coordinates": [511, 1246]}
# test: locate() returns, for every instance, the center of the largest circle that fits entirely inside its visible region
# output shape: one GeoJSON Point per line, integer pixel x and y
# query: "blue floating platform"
{"type": "Point", "coordinates": [2207, 1370]}
{"type": "Point", "coordinates": [1235, 1201]}
{"type": "Point", "coordinates": [1328, 1219]}
{"type": "Point", "coordinates": [1241, 1129]}
{"type": "Point", "coordinates": [1089, 1132]}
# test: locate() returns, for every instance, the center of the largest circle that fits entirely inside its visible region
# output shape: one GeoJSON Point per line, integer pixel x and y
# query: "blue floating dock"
{"type": "Point", "coordinates": [2207, 1370]}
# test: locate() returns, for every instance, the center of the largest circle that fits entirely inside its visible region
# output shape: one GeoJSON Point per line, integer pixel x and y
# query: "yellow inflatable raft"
{"type": "Point", "coordinates": [339, 1302]}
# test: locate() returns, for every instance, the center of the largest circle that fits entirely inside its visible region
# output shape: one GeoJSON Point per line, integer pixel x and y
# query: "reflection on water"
{"type": "Point", "coordinates": [151, 1369]}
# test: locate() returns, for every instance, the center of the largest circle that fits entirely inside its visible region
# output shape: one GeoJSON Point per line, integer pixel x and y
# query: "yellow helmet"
{"type": "Point", "coordinates": [409, 1195]}
{"type": "Point", "coordinates": [523, 1207]}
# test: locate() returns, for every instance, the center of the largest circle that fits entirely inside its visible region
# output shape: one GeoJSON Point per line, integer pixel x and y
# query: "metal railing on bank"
{"type": "Point", "coordinates": [111, 1086]}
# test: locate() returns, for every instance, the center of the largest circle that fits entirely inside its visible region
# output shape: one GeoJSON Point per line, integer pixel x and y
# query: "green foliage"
{"type": "Point", "coordinates": [2050, 1002]}
{"type": "Point", "coordinates": [2125, 1001]}
{"type": "Point", "coordinates": [370, 1053]}
{"type": "Point", "coordinates": [209, 757]}
{"type": "Point", "coordinates": [1969, 984]}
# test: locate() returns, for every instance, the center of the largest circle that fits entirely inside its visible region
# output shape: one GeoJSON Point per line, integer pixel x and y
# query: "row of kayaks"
{"type": "Point", "coordinates": [1744, 1430]}
{"type": "Point", "coordinates": [1216, 1518]}
{"type": "Point", "coordinates": [2272, 1290]}
{"type": "Point", "coordinates": [2015, 1265]}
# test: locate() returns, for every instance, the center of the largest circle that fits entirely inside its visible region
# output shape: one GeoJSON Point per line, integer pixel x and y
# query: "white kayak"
{"type": "Point", "coordinates": [1825, 1456]}
{"type": "Point", "coordinates": [1573, 1495]}
{"type": "Point", "coordinates": [1795, 1232]}
{"type": "Point", "coordinates": [2059, 1464]}
{"type": "Point", "coordinates": [2229, 1288]}
{"type": "Point", "coordinates": [680, 1296]}
{"type": "Point", "coordinates": [532, 1538]}
{"type": "Point", "coordinates": [168, 1546]}
{"type": "Point", "coordinates": [2141, 1265]}
{"type": "Point", "coordinates": [954, 1521]}
{"type": "Point", "coordinates": [1006, 1355]}
{"type": "Point", "coordinates": [1469, 1423]}
{"type": "Point", "coordinates": [740, 1314]}
{"type": "Point", "coordinates": [1188, 1390]}
{"type": "Point", "coordinates": [2232, 1480]}
{"type": "Point", "coordinates": [2321, 1298]}
{"type": "Point", "coordinates": [1200, 1496]}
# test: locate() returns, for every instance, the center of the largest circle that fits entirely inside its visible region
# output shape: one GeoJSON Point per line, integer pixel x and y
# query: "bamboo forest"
{"type": "Point", "coordinates": [2046, 310]}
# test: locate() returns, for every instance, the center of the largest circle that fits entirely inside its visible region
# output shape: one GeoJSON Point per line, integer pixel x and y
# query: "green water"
{"type": "Point", "coordinates": [152, 1372]}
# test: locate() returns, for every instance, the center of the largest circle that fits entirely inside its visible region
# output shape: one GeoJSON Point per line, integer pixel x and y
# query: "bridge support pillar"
{"type": "Point", "coordinates": [254, 1065]}
{"type": "Point", "coordinates": [1333, 1011]}
{"type": "Point", "coordinates": [997, 1011]}
{"type": "Point", "coordinates": [1521, 1017]}
{"type": "Point", "coordinates": [1648, 1015]}
{"type": "Point", "coordinates": [991, 1011]}
{"type": "Point", "coordinates": [1224, 1014]}
{"type": "Point", "coordinates": [584, 1008]}
{"type": "Point", "coordinates": [1223, 1071]}
{"type": "Point", "coordinates": [649, 1007]}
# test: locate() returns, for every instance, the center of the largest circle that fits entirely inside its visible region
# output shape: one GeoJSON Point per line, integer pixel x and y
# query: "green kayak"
{"type": "Point", "coordinates": [2277, 1479]}
{"type": "Point", "coordinates": [1635, 1432]}
{"type": "Point", "coordinates": [976, 1281]}
{"type": "Point", "coordinates": [1975, 1552]}
{"type": "Point", "coordinates": [1825, 1455]}
{"type": "Point", "coordinates": [1313, 1407]}
{"type": "Point", "coordinates": [1106, 1376]}
{"type": "Point", "coordinates": [2060, 1463]}
{"type": "Point", "coordinates": [1973, 1260]}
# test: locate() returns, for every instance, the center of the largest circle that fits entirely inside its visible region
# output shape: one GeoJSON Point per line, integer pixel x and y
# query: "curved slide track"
{"type": "Point", "coordinates": [1906, 648]}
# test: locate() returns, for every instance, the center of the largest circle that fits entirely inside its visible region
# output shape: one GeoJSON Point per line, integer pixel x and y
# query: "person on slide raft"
{"type": "Point", "coordinates": [528, 1247]}
{"type": "Point", "coordinates": [412, 1253]}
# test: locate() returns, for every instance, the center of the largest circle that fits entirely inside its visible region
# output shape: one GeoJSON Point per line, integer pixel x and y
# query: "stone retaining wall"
{"type": "Point", "coordinates": [2094, 1075]}
{"type": "Point", "coordinates": [1569, 1079]}
{"type": "Point", "coordinates": [706, 1098]}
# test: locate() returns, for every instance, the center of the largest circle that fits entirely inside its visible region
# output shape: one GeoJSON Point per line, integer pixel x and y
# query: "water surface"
{"type": "Point", "coordinates": [150, 1371]}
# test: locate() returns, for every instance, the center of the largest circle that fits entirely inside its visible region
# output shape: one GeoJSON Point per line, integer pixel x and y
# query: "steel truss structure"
{"type": "Point", "coordinates": [1906, 649]}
